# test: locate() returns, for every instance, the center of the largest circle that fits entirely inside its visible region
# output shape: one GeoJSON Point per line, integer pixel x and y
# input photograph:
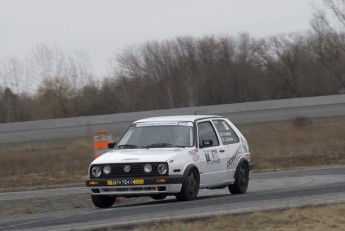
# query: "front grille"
{"type": "Point", "coordinates": [136, 170]}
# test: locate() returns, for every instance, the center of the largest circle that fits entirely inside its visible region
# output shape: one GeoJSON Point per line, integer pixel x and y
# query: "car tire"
{"type": "Point", "coordinates": [158, 197]}
{"type": "Point", "coordinates": [241, 180]}
{"type": "Point", "coordinates": [103, 201]}
{"type": "Point", "coordinates": [190, 187]}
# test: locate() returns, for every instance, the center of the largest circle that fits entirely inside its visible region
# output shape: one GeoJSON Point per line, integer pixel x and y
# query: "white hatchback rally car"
{"type": "Point", "coordinates": [172, 155]}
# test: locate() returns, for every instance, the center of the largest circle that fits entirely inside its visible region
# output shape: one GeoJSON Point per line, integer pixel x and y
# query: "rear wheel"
{"type": "Point", "coordinates": [103, 201]}
{"type": "Point", "coordinates": [159, 197]}
{"type": "Point", "coordinates": [241, 180]}
{"type": "Point", "coordinates": [190, 187]}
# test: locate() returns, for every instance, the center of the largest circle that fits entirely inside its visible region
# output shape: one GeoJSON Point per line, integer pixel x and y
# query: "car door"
{"type": "Point", "coordinates": [230, 143]}
{"type": "Point", "coordinates": [212, 154]}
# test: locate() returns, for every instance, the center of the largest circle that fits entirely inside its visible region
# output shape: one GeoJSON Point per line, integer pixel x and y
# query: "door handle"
{"type": "Point", "coordinates": [221, 150]}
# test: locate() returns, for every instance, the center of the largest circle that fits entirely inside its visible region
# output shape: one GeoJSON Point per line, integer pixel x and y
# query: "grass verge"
{"type": "Point", "coordinates": [44, 165]}
{"type": "Point", "coordinates": [316, 218]}
{"type": "Point", "coordinates": [295, 144]}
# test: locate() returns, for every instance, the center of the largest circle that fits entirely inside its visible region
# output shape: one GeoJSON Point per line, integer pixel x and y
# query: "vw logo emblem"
{"type": "Point", "coordinates": [127, 168]}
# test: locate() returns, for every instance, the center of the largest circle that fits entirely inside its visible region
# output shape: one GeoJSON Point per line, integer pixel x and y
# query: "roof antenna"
{"type": "Point", "coordinates": [196, 112]}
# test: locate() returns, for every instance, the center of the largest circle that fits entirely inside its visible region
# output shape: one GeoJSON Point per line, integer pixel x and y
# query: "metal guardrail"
{"type": "Point", "coordinates": [241, 113]}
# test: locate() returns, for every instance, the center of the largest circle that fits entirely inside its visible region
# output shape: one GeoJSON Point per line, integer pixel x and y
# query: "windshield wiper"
{"type": "Point", "coordinates": [162, 145]}
{"type": "Point", "coordinates": [129, 146]}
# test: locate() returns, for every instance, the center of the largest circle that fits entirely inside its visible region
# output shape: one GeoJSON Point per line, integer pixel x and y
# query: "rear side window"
{"type": "Point", "coordinates": [206, 132]}
{"type": "Point", "coordinates": [226, 133]}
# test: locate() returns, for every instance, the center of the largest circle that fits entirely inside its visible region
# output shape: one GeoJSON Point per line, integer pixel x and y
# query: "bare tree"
{"type": "Point", "coordinates": [15, 81]}
{"type": "Point", "coordinates": [62, 78]}
{"type": "Point", "coordinates": [337, 7]}
{"type": "Point", "coordinates": [78, 69]}
{"type": "Point", "coordinates": [46, 63]}
{"type": "Point", "coordinates": [53, 99]}
{"type": "Point", "coordinates": [13, 74]}
{"type": "Point", "coordinates": [282, 56]}
{"type": "Point", "coordinates": [328, 45]}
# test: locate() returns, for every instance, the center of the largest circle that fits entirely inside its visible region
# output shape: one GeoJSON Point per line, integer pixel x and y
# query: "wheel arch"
{"type": "Point", "coordinates": [241, 161]}
{"type": "Point", "coordinates": [188, 168]}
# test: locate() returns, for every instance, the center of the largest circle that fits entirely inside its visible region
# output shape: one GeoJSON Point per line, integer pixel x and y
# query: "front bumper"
{"type": "Point", "coordinates": [138, 186]}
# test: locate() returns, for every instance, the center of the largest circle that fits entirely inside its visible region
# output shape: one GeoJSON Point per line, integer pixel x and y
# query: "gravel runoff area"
{"type": "Point", "coordinates": [44, 204]}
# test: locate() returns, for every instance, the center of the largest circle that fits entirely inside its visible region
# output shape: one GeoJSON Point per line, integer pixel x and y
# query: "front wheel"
{"type": "Point", "coordinates": [190, 187]}
{"type": "Point", "coordinates": [241, 180]}
{"type": "Point", "coordinates": [103, 201]}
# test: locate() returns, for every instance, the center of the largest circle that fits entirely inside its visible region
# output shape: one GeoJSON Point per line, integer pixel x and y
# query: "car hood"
{"type": "Point", "coordinates": [140, 155]}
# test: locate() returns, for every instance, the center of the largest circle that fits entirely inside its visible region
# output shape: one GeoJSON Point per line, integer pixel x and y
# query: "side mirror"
{"type": "Point", "coordinates": [207, 143]}
{"type": "Point", "coordinates": [111, 144]}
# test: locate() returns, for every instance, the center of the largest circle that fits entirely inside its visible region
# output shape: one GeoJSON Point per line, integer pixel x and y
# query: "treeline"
{"type": "Point", "coordinates": [181, 72]}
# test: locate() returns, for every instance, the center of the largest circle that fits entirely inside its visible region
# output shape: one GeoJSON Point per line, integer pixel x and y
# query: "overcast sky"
{"type": "Point", "coordinates": [101, 27]}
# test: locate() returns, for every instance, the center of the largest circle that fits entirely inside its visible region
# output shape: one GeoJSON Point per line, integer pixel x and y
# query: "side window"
{"type": "Point", "coordinates": [206, 132]}
{"type": "Point", "coordinates": [226, 133]}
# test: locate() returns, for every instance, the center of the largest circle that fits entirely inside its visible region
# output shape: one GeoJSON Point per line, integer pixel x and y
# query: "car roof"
{"type": "Point", "coordinates": [188, 118]}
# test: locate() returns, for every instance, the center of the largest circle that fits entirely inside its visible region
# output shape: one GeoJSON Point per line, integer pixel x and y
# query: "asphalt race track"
{"type": "Point", "coordinates": [266, 191]}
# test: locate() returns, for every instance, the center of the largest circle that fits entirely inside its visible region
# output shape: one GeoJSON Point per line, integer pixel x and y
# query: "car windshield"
{"type": "Point", "coordinates": [157, 135]}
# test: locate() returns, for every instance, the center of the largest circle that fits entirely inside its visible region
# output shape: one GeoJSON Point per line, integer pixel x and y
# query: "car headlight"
{"type": "Point", "coordinates": [162, 169]}
{"type": "Point", "coordinates": [107, 169]}
{"type": "Point", "coordinates": [147, 168]}
{"type": "Point", "coordinates": [96, 171]}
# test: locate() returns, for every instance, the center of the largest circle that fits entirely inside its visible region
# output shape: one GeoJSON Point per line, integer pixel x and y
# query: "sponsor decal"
{"type": "Point", "coordinates": [232, 160]}
{"type": "Point", "coordinates": [130, 159]}
{"type": "Point", "coordinates": [212, 157]}
{"type": "Point", "coordinates": [215, 157]}
{"type": "Point", "coordinates": [207, 155]}
{"type": "Point", "coordinates": [226, 126]}
{"type": "Point", "coordinates": [225, 133]}
{"type": "Point", "coordinates": [194, 154]}
{"type": "Point", "coordinates": [151, 124]}
{"type": "Point", "coordinates": [126, 137]}
{"type": "Point", "coordinates": [244, 145]}
{"type": "Point", "coordinates": [188, 124]}
{"type": "Point", "coordinates": [226, 137]}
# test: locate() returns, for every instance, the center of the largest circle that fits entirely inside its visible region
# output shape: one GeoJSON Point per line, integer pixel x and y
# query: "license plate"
{"type": "Point", "coordinates": [125, 182]}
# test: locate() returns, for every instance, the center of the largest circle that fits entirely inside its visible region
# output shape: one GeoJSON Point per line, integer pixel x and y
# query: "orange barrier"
{"type": "Point", "coordinates": [100, 143]}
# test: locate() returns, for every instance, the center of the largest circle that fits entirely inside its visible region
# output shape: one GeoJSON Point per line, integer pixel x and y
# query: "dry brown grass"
{"type": "Point", "coordinates": [45, 164]}
{"type": "Point", "coordinates": [285, 145]}
{"type": "Point", "coordinates": [316, 218]}
{"type": "Point", "coordinates": [275, 146]}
